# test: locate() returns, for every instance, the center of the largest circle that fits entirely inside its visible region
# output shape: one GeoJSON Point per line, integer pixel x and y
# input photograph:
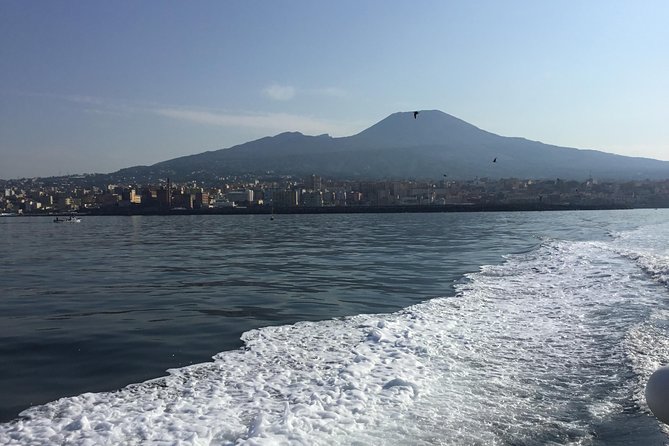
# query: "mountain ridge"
{"type": "Point", "coordinates": [403, 145]}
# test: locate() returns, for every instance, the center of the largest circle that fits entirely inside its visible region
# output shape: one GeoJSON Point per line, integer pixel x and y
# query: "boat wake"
{"type": "Point", "coordinates": [549, 347]}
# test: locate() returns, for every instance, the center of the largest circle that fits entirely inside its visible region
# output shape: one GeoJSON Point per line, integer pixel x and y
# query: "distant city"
{"type": "Point", "coordinates": [287, 194]}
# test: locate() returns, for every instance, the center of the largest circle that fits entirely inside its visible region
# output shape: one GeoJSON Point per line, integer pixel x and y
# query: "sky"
{"type": "Point", "coordinates": [92, 86]}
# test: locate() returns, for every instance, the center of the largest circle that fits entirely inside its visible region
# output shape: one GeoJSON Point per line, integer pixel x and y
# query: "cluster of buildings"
{"type": "Point", "coordinates": [81, 194]}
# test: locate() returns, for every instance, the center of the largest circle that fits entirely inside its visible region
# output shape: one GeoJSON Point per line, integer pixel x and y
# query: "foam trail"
{"type": "Point", "coordinates": [537, 350]}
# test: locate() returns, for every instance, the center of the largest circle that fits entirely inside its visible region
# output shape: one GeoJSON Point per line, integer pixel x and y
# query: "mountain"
{"type": "Point", "coordinates": [399, 147]}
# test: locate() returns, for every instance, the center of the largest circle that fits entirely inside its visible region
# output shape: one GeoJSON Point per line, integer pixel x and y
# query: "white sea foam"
{"type": "Point", "coordinates": [647, 344]}
{"type": "Point", "coordinates": [533, 351]}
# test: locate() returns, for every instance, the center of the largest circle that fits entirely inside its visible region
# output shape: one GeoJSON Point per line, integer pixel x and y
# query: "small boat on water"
{"type": "Point", "coordinates": [71, 219]}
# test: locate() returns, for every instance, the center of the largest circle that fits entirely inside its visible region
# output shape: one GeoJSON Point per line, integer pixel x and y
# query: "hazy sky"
{"type": "Point", "coordinates": [94, 86]}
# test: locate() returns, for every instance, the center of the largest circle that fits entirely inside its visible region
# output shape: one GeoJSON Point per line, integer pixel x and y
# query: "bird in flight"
{"type": "Point", "coordinates": [415, 114]}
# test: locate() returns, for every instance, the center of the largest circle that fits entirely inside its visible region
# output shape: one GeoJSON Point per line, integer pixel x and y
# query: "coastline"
{"type": "Point", "coordinates": [267, 210]}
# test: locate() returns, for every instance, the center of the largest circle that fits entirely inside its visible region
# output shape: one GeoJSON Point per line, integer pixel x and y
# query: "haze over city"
{"type": "Point", "coordinates": [95, 87]}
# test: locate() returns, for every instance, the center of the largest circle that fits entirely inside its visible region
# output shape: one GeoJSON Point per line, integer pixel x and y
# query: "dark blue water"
{"type": "Point", "coordinates": [114, 300]}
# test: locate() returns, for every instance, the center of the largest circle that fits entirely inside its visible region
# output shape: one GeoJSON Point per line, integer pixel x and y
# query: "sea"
{"type": "Point", "coordinates": [519, 328]}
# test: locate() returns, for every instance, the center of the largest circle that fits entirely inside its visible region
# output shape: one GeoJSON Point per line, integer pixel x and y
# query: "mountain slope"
{"type": "Point", "coordinates": [401, 146]}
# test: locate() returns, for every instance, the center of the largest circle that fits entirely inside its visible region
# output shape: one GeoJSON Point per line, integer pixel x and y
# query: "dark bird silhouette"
{"type": "Point", "coordinates": [415, 114]}
{"type": "Point", "coordinates": [494, 160]}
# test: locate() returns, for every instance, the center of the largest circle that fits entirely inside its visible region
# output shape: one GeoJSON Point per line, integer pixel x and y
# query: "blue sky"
{"type": "Point", "coordinates": [94, 86]}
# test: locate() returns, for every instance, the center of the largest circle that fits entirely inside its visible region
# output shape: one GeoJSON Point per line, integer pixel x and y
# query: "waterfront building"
{"type": "Point", "coordinates": [201, 200]}
{"type": "Point", "coordinates": [312, 199]}
{"type": "Point", "coordinates": [286, 198]}
{"type": "Point", "coordinates": [240, 196]}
